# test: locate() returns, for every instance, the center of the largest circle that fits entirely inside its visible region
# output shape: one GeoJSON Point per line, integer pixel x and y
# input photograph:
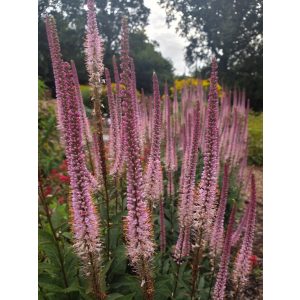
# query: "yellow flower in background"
{"type": "Point", "coordinates": [86, 89]}
{"type": "Point", "coordinates": [190, 81]}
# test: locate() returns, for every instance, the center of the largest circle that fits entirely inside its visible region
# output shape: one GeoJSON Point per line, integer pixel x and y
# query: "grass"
{"type": "Point", "coordinates": [255, 143]}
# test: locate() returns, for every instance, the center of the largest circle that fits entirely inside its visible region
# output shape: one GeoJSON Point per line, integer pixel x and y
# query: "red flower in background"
{"type": "Point", "coordinates": [54, 172]}
{"type": "Point", "coordinates": [61, 200]}
{"type": "Point", "coordinates": [63, 166]}
{"type": "Point", "coordinates": [58, 174]}
{"type": "Point", "coordinates": [47, 190]}
{"type": "Point", "coordinates": [63, 178]}
{"type": "Point", "coordinates": [253, 260]}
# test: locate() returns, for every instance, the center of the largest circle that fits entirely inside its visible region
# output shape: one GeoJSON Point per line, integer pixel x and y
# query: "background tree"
{"type": "Point", "coordinates": [232, 30]}
{"type": "Point", "coordinates": [147, 59]}
{"type": "Point", "coordinates": [70, 17]}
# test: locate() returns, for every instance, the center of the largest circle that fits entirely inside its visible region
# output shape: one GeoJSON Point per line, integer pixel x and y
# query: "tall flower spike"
{"type": "Point", "coordinates": [176, 112]}
{"type": "Point", "coordinates": [182, 248]}
{"type": "Point", "coordinates": [94, 64]}
{"type": "Point", "coordinates": [84, 218]}
{"type": "Point", "coordinates": [205, 198]}
{"type": "Point", "coordinates": [85, 122]}
{"type": "Point", "coordinates": [118, 164]}
{"type": "Point", "coordinates": [243, 221]}
{"type": "Point", "coordinates": [220, 285]}
{"type": "Point", "coordinates": [138, 229]}
{"type": "Point", "coordinates": [152, 185]}
{"type": "Point", "coordinates": [216, 241]}
{"type": "Point", "coordinates": [204, 210]}
{"type": "Point", "coordinates": [87, 135]}
{"type": "Point", "coordinates": [93, 46]}
{"type": "Point", "coordinates": [242, 265]}
{"type": "Point", "coordinates": [118, 100]}
{"type": "Point", "coordinates": [114, 126]}
{"type": "Point", "coordinates": [169, 155]}
{"type": "Point", "coordinates": [162, 228]}
{"type": "Point", "coordinates": [56, 58]}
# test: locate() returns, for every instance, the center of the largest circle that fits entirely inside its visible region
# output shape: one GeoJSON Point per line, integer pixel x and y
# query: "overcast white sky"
{"type": "Point", "coordinates": [171, 45]}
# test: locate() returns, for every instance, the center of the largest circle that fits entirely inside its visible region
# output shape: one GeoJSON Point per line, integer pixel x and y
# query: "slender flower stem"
{"type": "Point", "coordinates": [107, 217]}
{"type": "Point", "coordinates": [212, 275]}
{"type": "Point", "coordinates": [117, 193]}
{"type": "Point", "coordinates": [177, 272]}
{"type": "Point", "coordinates": [95, 68]}
{"type": "Point", "coordinates": [56, 241]}
{"type": "Point", "coordinates": [171, 198]}
{"type": "Point", "coordinates": [195, 266]}
{"type": "Point", "coordinates": [176, 281]}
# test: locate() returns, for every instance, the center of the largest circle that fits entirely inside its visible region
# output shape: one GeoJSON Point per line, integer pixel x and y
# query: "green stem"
{"type": "Point", "coordinates": [117, 194]}
{"type": "Point", "coordinates": [98, 119]}
{"type": "Point", "coordinates": [42, 292]}
{"type": "Point", "coordinates": [212, 276]}
{"type": "Point", "coordinates": [95, 279]}
{"type": "Point", "coordinates": [237, 291]}
{"type": "Point", "coordinates": [56, 241]}
{"type": "Point", "coordinates": [171, 200]}
{"type": "Point", "coordinates": [107, 220]}
{"type": "Point", "coordinates": [177, 271]}
{"type": "Point", "coordinates": [196, 261]}
{"type": "Point", "coordinates": [90, 155]}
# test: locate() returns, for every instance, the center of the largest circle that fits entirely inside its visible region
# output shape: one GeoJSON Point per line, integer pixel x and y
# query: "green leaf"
{"type": "Point", "coordinates": [127, 297]}
{"type": "Point", "coordinates": [119, 264]}
{"type": "Point", "coordinates": [51, 287]}
{"type": "Point", "coordinates": [107, 267]}
{"type": "Point", "coordinates": [114, 296]}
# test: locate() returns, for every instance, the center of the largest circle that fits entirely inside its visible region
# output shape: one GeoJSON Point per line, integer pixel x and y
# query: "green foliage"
{"type": "Point", "coordinates": [50, 152]}
{"type": "Point", "coordinates": [147, 60]}
{"type": "Point", "coordinates": [42, 88]}
{"type": "Point", "coordinates": [71, 19]}
{"type": "Point", "coordinates": [255, 145]}
{"type": "Point", "coordinates": [86, 95]}
{"type": "Point", "coordinates": [232, 31]}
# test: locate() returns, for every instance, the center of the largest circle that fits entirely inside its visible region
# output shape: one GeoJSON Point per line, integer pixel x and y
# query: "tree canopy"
{"type": "Point", "coordinates": [70, 17]}
{"type": "Point", "coordinates": [147, 60]}
{"type": "Point", "coordinates": [229, 29]}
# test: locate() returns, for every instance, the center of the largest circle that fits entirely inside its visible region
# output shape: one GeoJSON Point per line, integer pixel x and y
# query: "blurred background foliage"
{"type": "Point", "coordinates": [70, 17]}
{"type": "Point", "coordinates": [230, 29]}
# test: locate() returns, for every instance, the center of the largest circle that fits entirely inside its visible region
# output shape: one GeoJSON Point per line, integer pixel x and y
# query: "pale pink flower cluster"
{"type": "Point", "coordinates": [93, 47]}
{"type": "Point", "coordinates": [222, 277]}
{"type": "Point", "coordinates": [138, 225]}
{"type": "Point", "coordinates": [153, 176]}
{"type": "Point", "coordinates": [205, 201]}
{"type": "Point", "coordinates": [185, 209]}
{"type": "Point", "coordinates": [242, 265]}
{"type": "Point", "coordinates": [85, 221]}
{"type": "Point", "coordinates": [216, 241]}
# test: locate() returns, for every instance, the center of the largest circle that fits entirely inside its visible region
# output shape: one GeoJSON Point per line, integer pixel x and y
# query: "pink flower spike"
{"type": "Point", "coordinates": [182, 248]}
{"type": "Point", "coordinates": [153, 189]}
{"type": "Point", "coordinates": [204, 208]}
{"type": "Point", "coordinates": [216, 241]}
{"type": "Point", "coordinates": [93, 46]}
{"type": "Point", "coordinates": [242, 265]}
{"type": "Point", "coordinates": [138, 225]}
{"type": "Point", "coordinates": [220, 285]}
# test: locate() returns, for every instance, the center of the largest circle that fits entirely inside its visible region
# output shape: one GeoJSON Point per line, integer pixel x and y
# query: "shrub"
{"type": "Point", "coordinates": [86, 95]}
{"type": "Point", "coordinates": [255, 141]}
{"type": "Point", "coordinates": [42, 88]}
